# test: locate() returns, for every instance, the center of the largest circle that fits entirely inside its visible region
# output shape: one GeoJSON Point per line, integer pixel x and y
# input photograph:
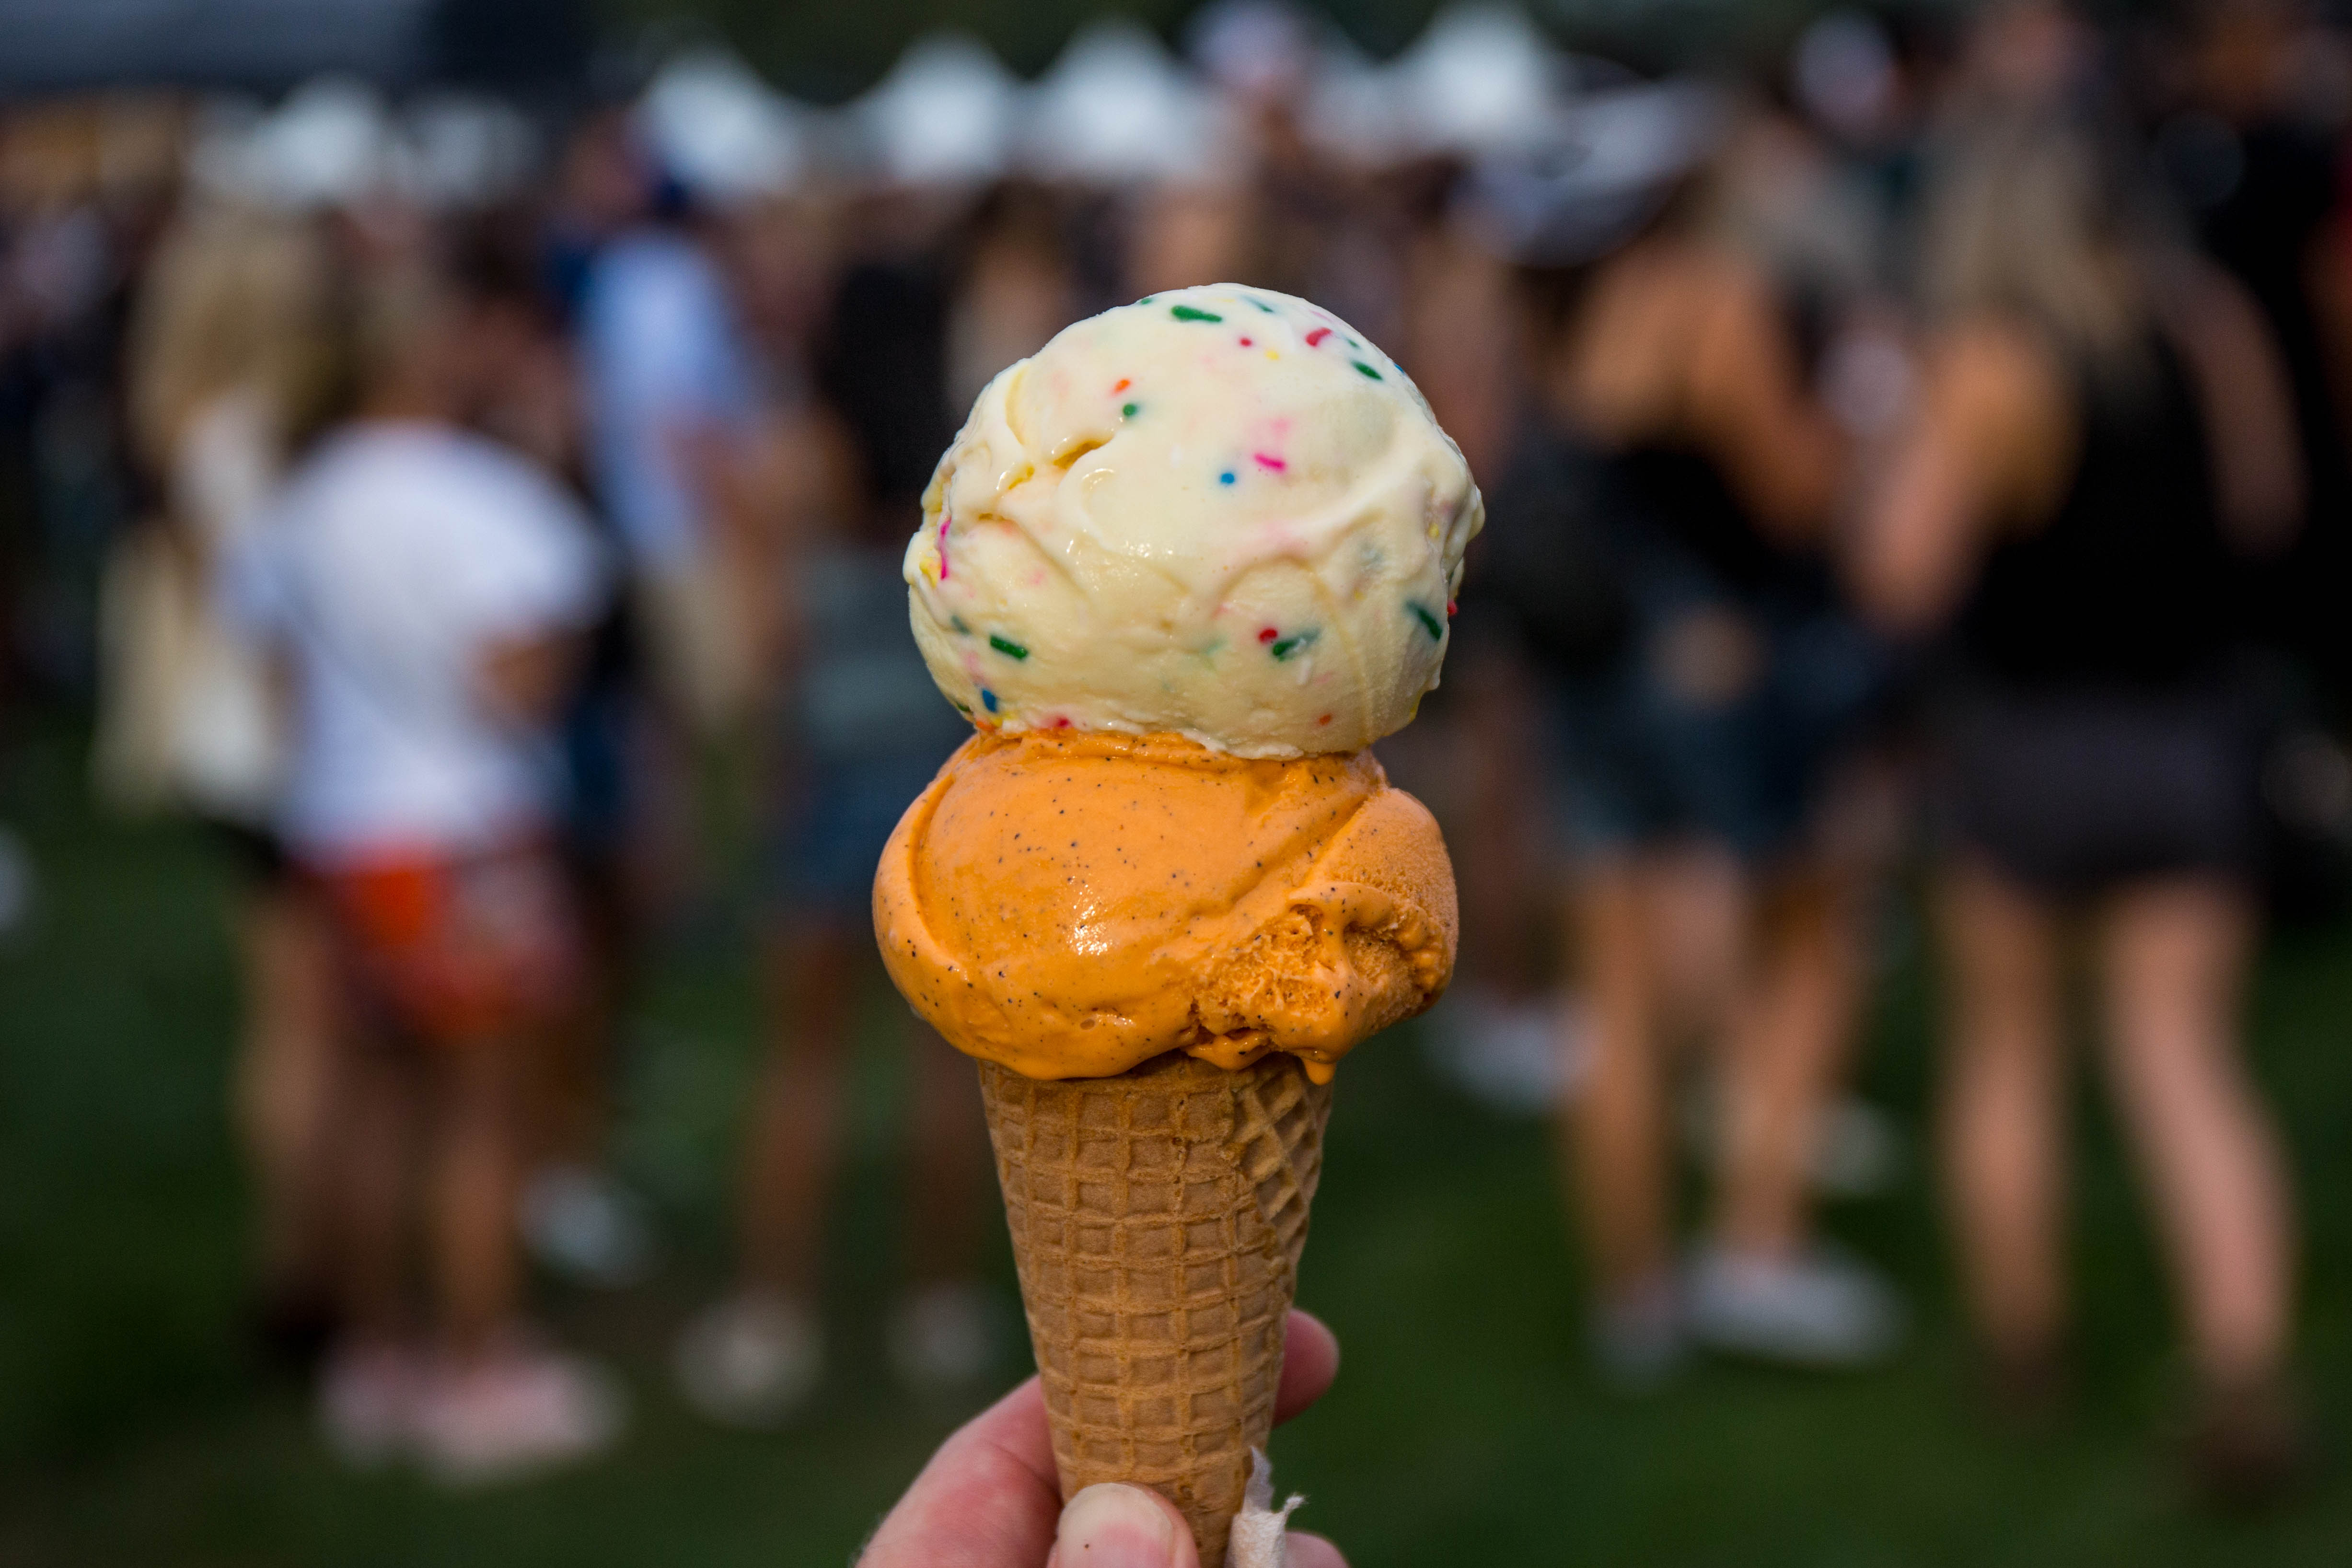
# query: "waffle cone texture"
{"type": "Point", "coordinates": [1157, 1220]}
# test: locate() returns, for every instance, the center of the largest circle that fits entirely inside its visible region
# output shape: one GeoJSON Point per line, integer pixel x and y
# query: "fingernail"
{"type": "Point", "coordinates": [1115, 1526]}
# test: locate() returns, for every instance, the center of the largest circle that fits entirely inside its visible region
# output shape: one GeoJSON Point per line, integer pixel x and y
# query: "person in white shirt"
{"type": "Point", "coordinates": [675, 405]}
{"type": "Point", "coordinates": [427, 590]}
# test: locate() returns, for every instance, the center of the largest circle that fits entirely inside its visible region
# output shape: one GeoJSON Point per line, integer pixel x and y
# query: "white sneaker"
{"type": "Point", "coordinates": [1817, 1309]}
{"type": "Point", "coordinates": [368, 1397]}
{"type": "Point", "coordinates": [944, 1337]}
{"type": "Point", "coordinates": [516, 1413]}
{"type": "Point", "coordinates": [750, 1361]}
{"type": "Point", "coordinates": [584, 1226]}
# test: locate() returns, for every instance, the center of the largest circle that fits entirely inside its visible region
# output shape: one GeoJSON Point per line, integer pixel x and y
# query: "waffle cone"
{"type": "Point", "coordinates": [1157, 1219]}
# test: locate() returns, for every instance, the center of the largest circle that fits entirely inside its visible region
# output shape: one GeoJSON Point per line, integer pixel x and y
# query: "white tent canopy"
{"type": "Point", "coordinates": [1350, 110]}
{"type": "Point", "coordinates": [1614, 158]}
{"type": "Point", "coordinates": [331, 143]}
{"type": "Point", "coordinates": [336, 143]}
{"type": "Point", "coordinates": [722, 132]}
{"type": "Point", "coordinates": [1482, 77]}
{"type": "Point", "coordinates": [947, 113]}
{"type": "Point", "coordinates": [1116, 106]}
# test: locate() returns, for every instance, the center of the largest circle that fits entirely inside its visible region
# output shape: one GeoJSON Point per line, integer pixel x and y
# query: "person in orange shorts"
{"type": "Point", "coordinates": [426, 590]}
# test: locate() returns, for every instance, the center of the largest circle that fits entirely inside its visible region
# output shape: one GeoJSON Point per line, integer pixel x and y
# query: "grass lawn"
{"type": "Point", "coordinates": [136, 1428]}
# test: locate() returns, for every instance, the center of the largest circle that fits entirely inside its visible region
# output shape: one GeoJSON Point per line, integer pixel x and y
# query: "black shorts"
{"type": "Point", "coordinates": [2073, 792]}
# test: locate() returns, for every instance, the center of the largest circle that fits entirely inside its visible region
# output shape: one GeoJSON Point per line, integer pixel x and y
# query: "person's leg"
{"type": "Point", "coordinates": [568, 1098]}
{"type": "Point", "coordinates": [1496, 838]}
{"type": "Point", "coordinates": [943, 1333]}
{"type": "Point", "coordinates": [369, 1377]}
{"type": "Point", "coordinates": [2003, 1109]}
{"type": "Point", "coordinates": [473, 1181]}
{"type": "Point", "coordinates": [947, 1158]}
{"type": "Point", "coordinates": [579, 1218]}
{"type": "Point", "coordinates": [2173, 959]}
{"type": "Point", "coordinates": [371, 1165]}
{"type": "Point", "coordinates": [284, 1084]}
{"type": "Point", "coordinates": [752, 1358]}
{"type": "Point", "coordinates": [1696, 899]}
{"type": "Point", "coordinates": [1618, 1140]}
{"type": "Point", "coordinates": [496, 1402]}
{"type": "Point", "coordinates": [1786, 1044]}
{"type": "Point", "coordinates": [793, 1150]}
{"type": "Point", "coordinates": [1761, 1286]}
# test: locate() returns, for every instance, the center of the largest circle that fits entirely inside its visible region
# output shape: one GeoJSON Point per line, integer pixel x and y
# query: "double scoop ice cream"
{"type": "Point", "coordinates": [1181, 568]}
{"type": "Point", "coordinates": [1221, 524]}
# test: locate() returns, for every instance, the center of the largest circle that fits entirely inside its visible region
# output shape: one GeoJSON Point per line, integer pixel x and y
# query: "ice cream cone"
{"type": "Point", "coordinates": [1157, 1219]}
{"type": "Point", "coordinates": [1181, 568]}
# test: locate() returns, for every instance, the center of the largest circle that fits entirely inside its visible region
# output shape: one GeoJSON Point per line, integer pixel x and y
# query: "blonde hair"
{"type": "Point", "coordinates": [2027, 220]}
{"type": "Point", "coordinates": [236, 300]}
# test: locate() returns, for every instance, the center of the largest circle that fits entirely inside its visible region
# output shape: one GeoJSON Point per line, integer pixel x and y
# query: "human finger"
{"type": "Point", "coordinates": [1310, 1359]}
{"type": "Point", "coordinates": [988, 1499]}
{"type": "Point", "coordinates": [1306, 1551]}
{"type": "Point", "coordinates": [1113, 1525]}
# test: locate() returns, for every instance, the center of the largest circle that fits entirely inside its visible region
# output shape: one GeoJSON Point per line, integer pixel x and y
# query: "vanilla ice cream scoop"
{"type": "Point", "coordinates": [1219, 513]}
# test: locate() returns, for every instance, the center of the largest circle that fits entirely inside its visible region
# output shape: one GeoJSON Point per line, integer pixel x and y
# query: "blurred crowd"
{"type": "Point", "coordinates": [1917, 454]}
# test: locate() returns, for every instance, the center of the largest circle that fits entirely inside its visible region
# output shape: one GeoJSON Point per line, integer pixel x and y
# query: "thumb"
{"type": "Point", "coordinates": [1117, 1526]}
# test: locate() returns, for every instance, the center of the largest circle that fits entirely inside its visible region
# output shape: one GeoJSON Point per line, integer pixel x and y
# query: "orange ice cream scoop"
{"type": "Point", "coordinates": [1074, 904]}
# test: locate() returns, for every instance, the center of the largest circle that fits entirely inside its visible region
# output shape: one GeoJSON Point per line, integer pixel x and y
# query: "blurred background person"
{"type": "Point", "coordinates": [677, 241]}
{"type": "Point", "coordinates": [674, 393]}
{"type": "Point", "coordinates": [1473, 329]}
{"type": "Point", "coordinates": [1692, 770]}
{"type": "Point", "coordinates": [232, 357]}
{"type": "Point", "coordinates": [2104, 432]}
{"type": "Point", "coordinates": [2252, 151]}
{"type": "Point", "coordinates": [861, 732]}
{"type": "Point", "coordinates": [427, 590]}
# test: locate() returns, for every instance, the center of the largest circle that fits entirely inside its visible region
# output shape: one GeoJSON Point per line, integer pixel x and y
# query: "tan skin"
{"type": "Point", "coordinates": [282, 1082]}
{"type": "Point", "coordinates": [1679, 341]}
{"type": "Point", "coordinates": [1990, 453]}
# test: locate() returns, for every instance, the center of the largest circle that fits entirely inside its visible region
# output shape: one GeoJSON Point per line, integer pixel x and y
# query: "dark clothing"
{"type": "Point", "coordinates": [2073, 792]}
{"type": "Point", "coordinates": [1641, 760]}
{"type": "Point", "coordinates": [882, 366]}
{"type": "Point", "coordinates": [1682, 494]}
{"type": "Point", "coordinates": [2263, 197]}
{"type": "Point", "coordinates": [2130, 581]}
{"type": "Point", "coordinates": [2095, 732]}
{"type": "Point", "coordinates": [2265, 231]}
{"type": "Point", "coordinates": [1545, 574]}
{"type": "Point", "coordinates": [1605, 563]}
